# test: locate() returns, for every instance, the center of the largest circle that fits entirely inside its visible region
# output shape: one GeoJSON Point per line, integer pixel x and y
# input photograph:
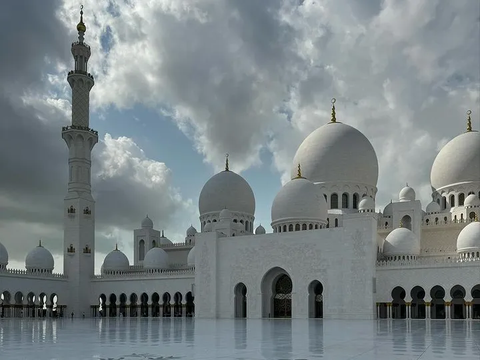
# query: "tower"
{"type": "Point", "coordinates": [79, 206]}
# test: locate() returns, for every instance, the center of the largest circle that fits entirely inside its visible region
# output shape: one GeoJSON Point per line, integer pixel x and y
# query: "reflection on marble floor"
{"type": "Point", "coordinates": [186, 338]}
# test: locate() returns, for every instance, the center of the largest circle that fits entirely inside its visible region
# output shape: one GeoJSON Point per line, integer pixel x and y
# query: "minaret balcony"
{"type": "Point", "coordinates": [77, 127]}
{"type": "Point", "coordinates": [76, 43]}
{"type": "Point", "coordinates": [81, 72]}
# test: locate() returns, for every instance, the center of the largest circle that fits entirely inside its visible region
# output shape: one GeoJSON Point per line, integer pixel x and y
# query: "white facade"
{"type": "Point", "coordinates": [329, 253]}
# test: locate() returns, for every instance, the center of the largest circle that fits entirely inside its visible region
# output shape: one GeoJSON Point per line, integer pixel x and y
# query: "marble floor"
{"type": "Point", "coordinates": [155, 339]}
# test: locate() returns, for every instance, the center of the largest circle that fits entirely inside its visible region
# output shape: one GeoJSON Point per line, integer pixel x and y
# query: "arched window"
{"type": "Point", "coordinates": [141, 250]}
{"type": "Point", "coordinates": [316, 226]}
{"type": "Point", "coordinates": [297, 227]}
{"type": "Point", "coordinates": [452, 200]}
{"type": "Point", "coordinates": [334, 201]}
{"type": "Point", "coordinates": [461, 199]}
{"type": "Point", "coordinates": [154, 243]}
{"type": "Point", "coordinates": [355, 201]}
{"type": "Point", "coordinates": [344, 201]}
{"type": "Point", "coordinates": [304, 226]}
{"type": "Point", "coordinates": [336, 222]}
{"type": "Point", "coordinates": [290, 227]}
{"type": "Point", "coordinates": [310, 227]}
{"type": "Point", "coordinates": [444, 202]}
{"type": "Point", "coordinates": [284, 228]}
{"type": "Point", "coordinates": [326, 198]}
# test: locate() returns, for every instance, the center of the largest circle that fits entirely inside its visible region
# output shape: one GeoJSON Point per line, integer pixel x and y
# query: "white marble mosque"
{"type": "Point", "coordinates": [329, 253]}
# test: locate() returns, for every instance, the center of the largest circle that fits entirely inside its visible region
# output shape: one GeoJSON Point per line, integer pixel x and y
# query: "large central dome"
{"type": "Point", "coordinates": [337, 152]}
{"type": "Point", "coordinates": [226, 190]}
{"type": "Point", "coordinates": [458, 162]}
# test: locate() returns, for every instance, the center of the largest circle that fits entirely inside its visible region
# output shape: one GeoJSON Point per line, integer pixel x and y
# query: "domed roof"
{"type": "Point", "coordinates": [3, 255]}
{"type": "Point", "coordinates": [299, 199]}
{"type": "Point", "coordinates": [39, 258]}
{"type": "Point", "coordinates": [472, 200]}
{"type": "Point", "coordinates": [208, 227]}
{"type": "Point", "coordinates": [406, 194]}
{"type": "Point", "coordinates": [191, 257]}
{"type": "Point", "coordinates": [457, 162]}
{"type": "Point", "coordinates": [164, 240]}
{"type": "Point", "coordinates": [337, 152]}
{"type": "Point", "coordinates": [226, 190]}
{"type": "Point", "coordinates": [401, 241]}
{"type": "Point", "coordinates": [469, 238]}
{"type": "Point", "coordinates": [115, 261]}
{"type": "Point", "coordinates": [388, 210]}
{"type": "Point", "coordinates": [155, 258]}
{"type": "Point", "coordinates": [191, 231]}
{"type": "Point", "coordinates": [147, 222]}
{"type": "Point", "coordinates": [366, 203]}
{"type": "Point", "coordinates": [433, 207]}
{"type": "Point", "coordinates": [260, 230]}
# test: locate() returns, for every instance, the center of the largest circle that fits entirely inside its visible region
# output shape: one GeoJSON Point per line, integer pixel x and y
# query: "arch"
{"type": "Point", "coordinates": [476, 302]}
{"type": "Point", "coordinates": [407, 222]}
{"type": "Point", "coordinates": [276, 294]}
{"type": "Point", "coordinates": [42, 305]}
{"type": "Point", "coordinates": [471, 216]}
{"type": "Point", "coordinates": [190, 305]}
{"type": "Point", "coordinates": [444, 202]}
{"type": "Point", "coordinates": [247, 226]}
{"type": "Point", "coordinates": [112, 306]}
{"type": "Point", "coordinates": [102, 305]}
{"type": "Point", "coordinates": [30, 304]}
{"type": "Point", "coordinates": [399, 307]}
{"type": "Point", "coordinates": [133, 305]}
{"type": "Point", "coordinates": [154, 243]}
{"type": "Point", "coordinates": [144, 305]}
{"type": "Point", "coordinates": [334, 201]}
{"type": "Point", "coordinates": [284, 228]}
{"type": "Point", "coordinates": [457, 306]}
{"type": "Point", "coordinates": [355, 201]}
{"type": "Point", "coordinates": [141, 250]}
{"type": "Point", "coordinates": [304, 226]}
{"type": "Point", "coordinates": [167, 309]}
{"type": "Point", "coordinates": [310, 226]}
{"type": "Point", "coordinates": [336, 222]}
{"type": "Point", "coordinates": [452, 200]}
{"type": "Point", "coordinates": [461, 199]}
{"type": "Point", "coordinates": [418, 308]}
{"type": "Point", "coordinates": [297, 227]}
{"type": "Point", "coordinates": [315, 299]}
{"type": "Point", "coordinates": [437, 305]}
{"type": "Point", "coordinates": [290, 227]}
{"type": "Point", "coordinates": [155, 304]}
{"type": "Point", "coordinates": [123, 305]}
{"type": "Point", "coordinates": [240, 300]}
{"type": "Point", "coordinates": [177, 304]}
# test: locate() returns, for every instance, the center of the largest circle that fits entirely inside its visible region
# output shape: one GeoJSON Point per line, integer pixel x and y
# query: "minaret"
{"type": "Point", "coordinates": [79, 209]}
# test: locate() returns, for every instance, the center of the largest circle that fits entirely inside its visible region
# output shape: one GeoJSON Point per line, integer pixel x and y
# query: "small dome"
{"type": "Point", "coordinates": [39, 259]}
{"type": "Point", "coordinates": [208, 227]}
{"type": "Point", "coordinates": [471, 201]}
{"type": "Point", "coordinates": [115, 261]}
{"type": "Point", "coordinates": [191, 257]}
{"type": "Point", "coordinates": [457, 163]}
{"type": "Point", "coordinates": [3, 255]}
{"type": "Point", "coordinates": [469, 238]}
{"type": "Point", "coordinates": [401, 241]}
{"type": "Point", "coordinates": [433, 208]}
{"type": "Point", "coordinates": [155, 258]}
{"type": "Point", "coordinates": [366, 203]}
{"type": "Point", "coordinates": [337, 152]}
{"type": "Point", "coordinates": [388, 211]}
{"type": "Point", "coordinates": [191, 231]}
{"type": "Point", "coordinates": [260, 230]}
{"type": "Point", "coordinates": [226, 190]}
{"type": "Point", "coordinates": [164, 240]}
{"type": "Point", "coordinates": [407, 194]}
{"type": "Point", "coordinates": [147, 223]}
{"type": "Point", "coordinates": [225, 214]}
{"type": "Point", "coordinates": [299, 199]}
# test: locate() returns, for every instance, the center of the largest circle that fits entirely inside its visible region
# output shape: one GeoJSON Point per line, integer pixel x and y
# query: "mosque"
{"type": "Point", "coordinates": [329, 254]}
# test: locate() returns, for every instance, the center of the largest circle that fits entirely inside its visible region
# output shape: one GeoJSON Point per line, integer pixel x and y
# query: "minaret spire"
{"type": "Point", "coordinates": [469, 120]}
{"type": "Point", "coordinates": [81, 28]}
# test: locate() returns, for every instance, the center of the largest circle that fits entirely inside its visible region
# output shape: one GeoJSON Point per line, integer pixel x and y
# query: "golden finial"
{"type": "Point", "coordinates": [81, 26]}
{"type": "Point", "coordinates": [226, 163]}
{"type": "Point", "coordinates": [469, 121]}
{"type": "Point", "coordinates": [40, 242]}
{"type": "Point", "coordinates": [299, 172]}
{"type": "Point", "coordinates": [163, 234]}
{"type": "Point", "coordinates": [334, 118]}
{"type": "Point", "coordinates": [476, 217]}
{"type": "Point", "coordinates": [116, 246]}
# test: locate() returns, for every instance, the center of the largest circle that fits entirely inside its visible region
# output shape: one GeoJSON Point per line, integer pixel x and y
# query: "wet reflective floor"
{"type": "Point", "coordinates": [186, 338]}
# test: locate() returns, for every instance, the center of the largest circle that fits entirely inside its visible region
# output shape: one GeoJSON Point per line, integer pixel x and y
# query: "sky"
{"type": "Point", "coordinates": [180, 83]}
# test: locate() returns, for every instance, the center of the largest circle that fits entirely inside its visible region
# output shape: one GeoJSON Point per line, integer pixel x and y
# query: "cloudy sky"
{"type": "Point", "coordinates": [179, 83]}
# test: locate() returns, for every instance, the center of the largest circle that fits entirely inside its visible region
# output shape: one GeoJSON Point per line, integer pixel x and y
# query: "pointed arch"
{"type": "Point", "coordinates": [240, 300]}
{"type": "Point", "coordinates": [277, 287]}
{"type": "Point", "coordinates": [315, 299]}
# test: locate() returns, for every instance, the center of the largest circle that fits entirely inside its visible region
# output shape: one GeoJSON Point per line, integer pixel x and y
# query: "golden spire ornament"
{"type": "Point", "coordinates": [469, 121]}
{"type": "Point", "coordinates": [334, 118]}
{"type": "Point", "coordinates": [226, 163]}
{"type": "Point", "coordinates": [299, 172]}
{"type": "Point", "coordinates": [81, 26]}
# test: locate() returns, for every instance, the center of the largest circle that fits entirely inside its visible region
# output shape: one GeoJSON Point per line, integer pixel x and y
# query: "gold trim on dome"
{"type": "Point", "coordinates": [334, 117]}
{"type": "Point", "coordinates": [299, 173]}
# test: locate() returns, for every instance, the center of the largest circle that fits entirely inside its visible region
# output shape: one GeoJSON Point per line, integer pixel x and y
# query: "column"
{"type": "Point", "coordinates": [447, 309]}
{"type": "Point", "coordinates": [427, 310]}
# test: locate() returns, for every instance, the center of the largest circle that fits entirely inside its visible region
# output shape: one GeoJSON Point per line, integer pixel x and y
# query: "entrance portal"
{"type": "Point", "coordinates": [282, 298]}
